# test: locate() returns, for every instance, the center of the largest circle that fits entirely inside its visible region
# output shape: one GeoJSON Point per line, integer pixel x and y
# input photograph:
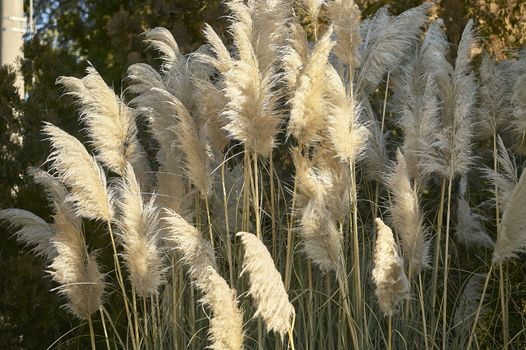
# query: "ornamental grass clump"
{"type": "Point", "coordinates": [311, 128]}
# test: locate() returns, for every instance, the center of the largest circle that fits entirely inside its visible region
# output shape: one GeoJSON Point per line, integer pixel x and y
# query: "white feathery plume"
{"type": "Point", "coordinates": [55, 191]}
{"type": "Point", "coordinates": [81, 173]}
{"type": "Point", "coordinates": [407, 216]}
{"type": "Point", "coordinates": [313, 8]}
{"type": "Point", "coordinates": [505, 179]}
{"type": "Point", "coordinates": [416, 96]}
{"type": "Point", "coordinates": [346, 130]}
{"type": "Point", "coordinates": [266, 286]}
{"type": "Point", "coordinates": [226, 324]}
{"type": "Point", "coordinates": [375, 160]}
{"type": "Point", "coordinates": [222, 61]}
{"type": "Point", "coordinates": [511, 236]}
{"type": "Point", "coordinates": [110, 124]}
{"type": "Point", "coordinates": [77, 272]}
{"type": "Point", "coordinates": [143, 77]}
{"type": "Point", "coordinates": [345, 17]}
{"type": "Point", "coordinates": [307, 105]}
{"type": "Point", "coordinates": [295, 54]}
{"type": "Point", "coordinates": [32, 231]}
{"type": "Point", "coordinates": [469, 230]}
{"type": "Point", "coordinates": [193, 143]}
{"type": "Point", "coordinates": [495, 96]}
{"type": "Point", "coordinates": [162, 40]}
{"type": "Point", "coordinates": [322, 241]}
{"type": "Point", "coordinates": [388, 273]}
{"type": "Point", "coordinates": [452, 155]}
{"type": "Point", "coordinates": [138, 228]}
{"type": "Point", "coordinates": [251, 108]}
{"type": "Point", "coordinates": [386, 41]}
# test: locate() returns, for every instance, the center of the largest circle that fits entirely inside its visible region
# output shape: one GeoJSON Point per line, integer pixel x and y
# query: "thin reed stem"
{"type": "Point", "coordinates": [422, 308]}
{"type": "Point", "coordinates": [479, 308]}
{"type": "Point", "coordinates": [446, 267]}
{"type": "Point", "coordinates": [91, 333]}
{"type": "Point", "coordinates": [104, 329]}
{"type": "Point", "coordinates": [390, 332]}
{"type": "Point", "coordinates": [120, 280]}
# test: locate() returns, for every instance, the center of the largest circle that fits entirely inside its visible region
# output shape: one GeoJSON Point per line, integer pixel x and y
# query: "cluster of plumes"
{"type": "Point", "coordinates": [226, 324]}
{"type": "Point", "coordinates": [322, 242]}
{"type": "Point", "coordinates": [266, 286]}
{"type": "Point", "coordinates": [62, 244]}
{"type": "Point", "coordinates": [407, 216]}
{"type": "Point", "coordinates": [251, 83]}
{"type": "Point", "coordinates": [389, 277]}
{"type": "Point", "coordinates": [110, 123]}
{"type": "Point", "coordinates": [139, 225]}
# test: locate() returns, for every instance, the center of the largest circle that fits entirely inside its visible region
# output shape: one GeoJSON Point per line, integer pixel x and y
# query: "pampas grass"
{"type": "Point", "coordinates": [226, 324]}
{"type": "Point", "coordinates": [139, 228]}
{"type": "Point", "coordinates": [407, 215]}
{"type": "Point", "coordinates": [306, 137]}
{"type": "Point", "coordinates": [388, 274]}
{"type": "Point", "coordinates": [85, 178]}
{"type": "Point", "coordinates": [266, 286]}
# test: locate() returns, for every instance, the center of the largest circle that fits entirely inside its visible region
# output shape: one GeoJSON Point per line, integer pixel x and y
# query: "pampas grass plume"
{"type": "Point", "coordinates": [266, 286]}
{"type": "Point", "coordinates": [389, 277]}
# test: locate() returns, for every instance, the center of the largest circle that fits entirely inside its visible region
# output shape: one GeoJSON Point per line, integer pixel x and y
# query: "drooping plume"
{"type": "Point", "coordinates": [226, 324]}
{"type": "Point", "coordinates": [81, 173]}
{"type": "Point", "coordinates": [386, 41]}
{"type": "Point", "coordinates": [392, 285]}
{"type": "Point", "coordinates": [32, 231]}
{"type": "Point", "coordinates": [407, 216]}
{"type": "Point", "coordinates": [266, 286]}
{"type": "Point", "coordinates": [317, 226]}
{"type": "Point", "coordinates": [505, 179]}
{"type": "Point", "coordinates": [138, 231]}
{"type": "Point", "coordinates": [110, 123]}
{"type": "Point", "coordinates": [511, 233]}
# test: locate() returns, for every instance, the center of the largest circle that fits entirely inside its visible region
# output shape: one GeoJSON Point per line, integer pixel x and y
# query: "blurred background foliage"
{"type": "Point", "coordinates": [72, 34]}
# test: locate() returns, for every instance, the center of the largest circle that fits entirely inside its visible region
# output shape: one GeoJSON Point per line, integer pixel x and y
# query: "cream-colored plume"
{"type": "Point", "coordinates": [346, 130]}
{"type": "Point", "coordinates": [266, 286]}
{"type": "Point", "coordinates": [345, 17]}
{"type": "Point", "coordinates": [138, 230]}
{"type": "Point", "coordinates": [308, 105]}
{"type": "Point", "coordinates": [32, 231]}
{"type": "Point", "coordinates": [386, 41]}
{"type": "Point", "coordinates": [511, 233]}
{"type": "Point", "coordinates": [110, 123]}
{"type": "Point", "coordinates": [226, 324]}
{"type": "Point", "coordinates": [407, 216]}
{"type": "Point", "coordinates": [388, 273]}
{"type": "Point", "coordinates": [81, 173]}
